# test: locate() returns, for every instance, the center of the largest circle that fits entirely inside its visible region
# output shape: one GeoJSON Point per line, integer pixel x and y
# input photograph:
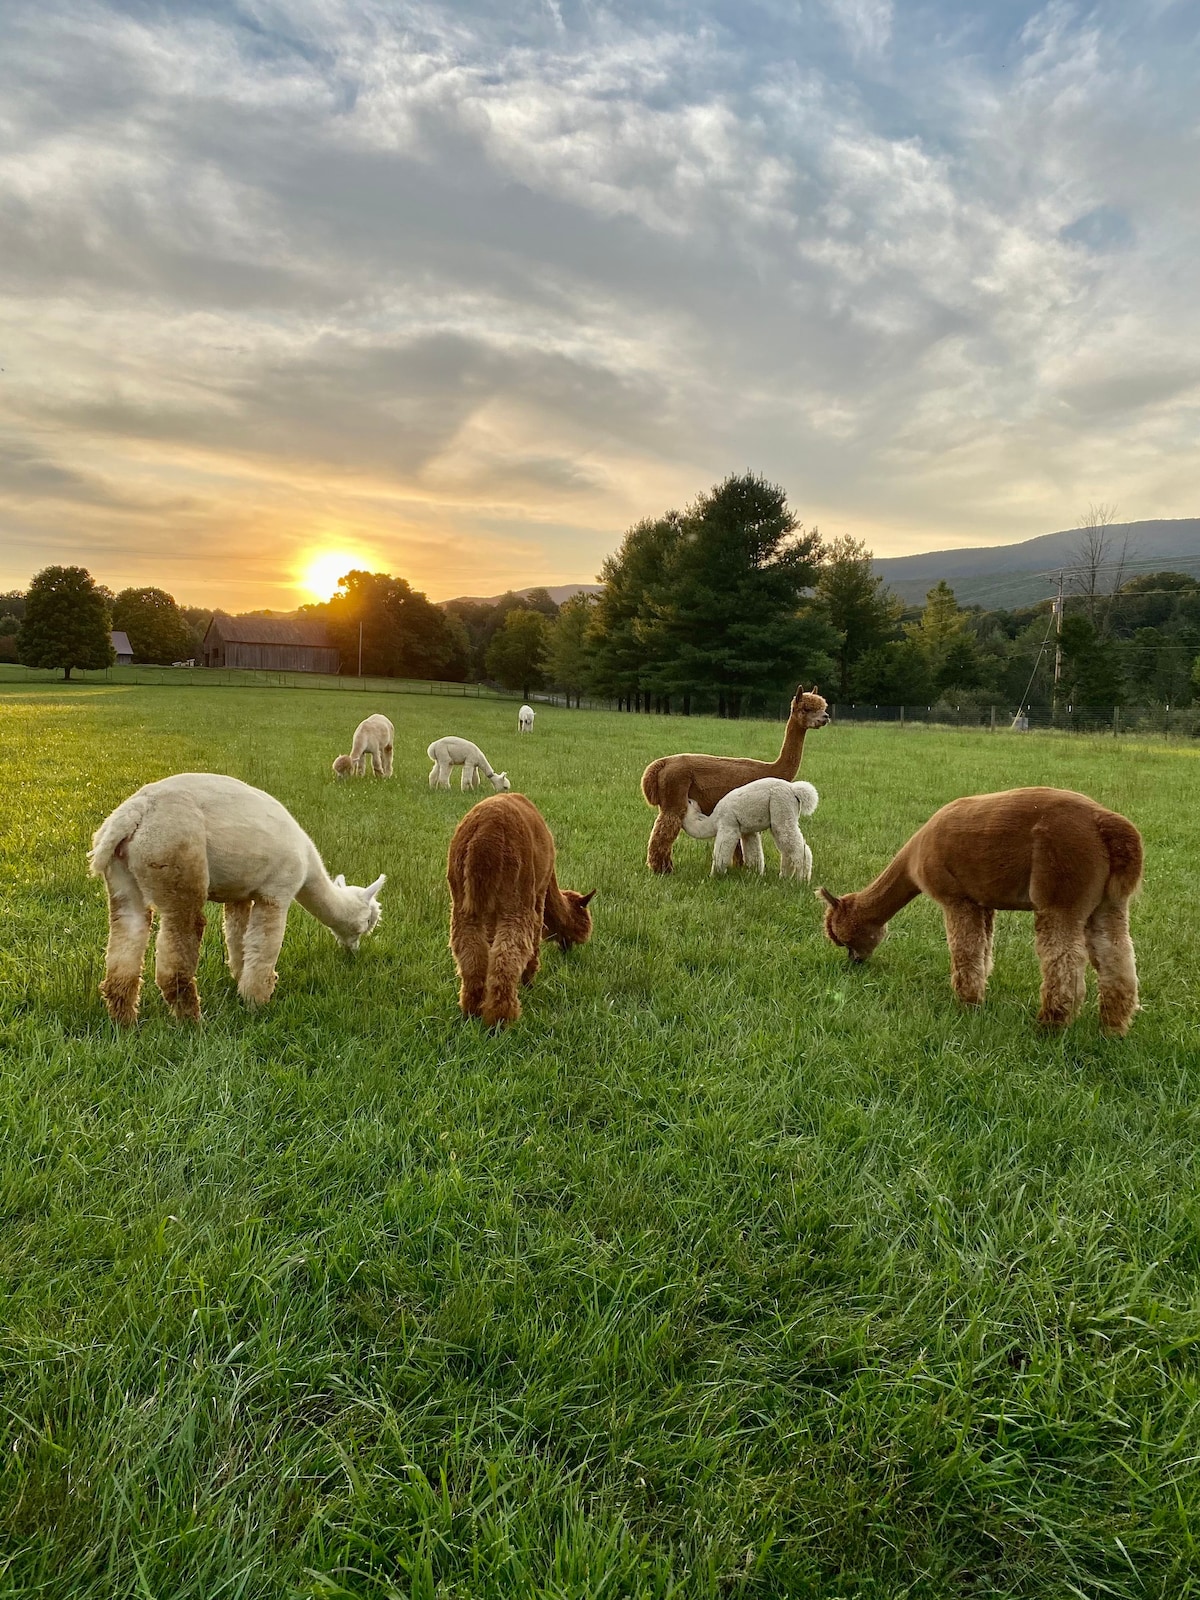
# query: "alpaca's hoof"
{"type": "Point", "coordinates": [499, 1015]}
{"type": "Point", "coordinates": [661, 867]}
{"type": "Point", "coordinates": [121, 997]}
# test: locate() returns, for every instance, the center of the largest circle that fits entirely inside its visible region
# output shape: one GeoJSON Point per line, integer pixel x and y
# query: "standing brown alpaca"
{"type": "Point", "coordinates": [505, 900]}
{"type": "Point", "coordinates": [1049, 851]}
{"type": "Point", "coordinates": [671, 781]}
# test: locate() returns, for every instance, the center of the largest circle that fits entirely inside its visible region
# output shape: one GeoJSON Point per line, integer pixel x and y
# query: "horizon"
{"type": "Point", "coordinates": [462, 293]}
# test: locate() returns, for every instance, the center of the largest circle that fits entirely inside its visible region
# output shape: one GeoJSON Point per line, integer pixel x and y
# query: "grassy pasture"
{"type": "Point", "coordinates": [730, 1271]}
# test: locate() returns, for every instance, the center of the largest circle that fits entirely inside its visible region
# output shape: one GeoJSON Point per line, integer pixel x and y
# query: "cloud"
{"type": "Point", "coordinates": [439, 275]}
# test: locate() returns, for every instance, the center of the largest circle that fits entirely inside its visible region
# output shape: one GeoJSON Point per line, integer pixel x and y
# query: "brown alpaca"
{"type": "Point", "coordinates": [671, 781]}
{"type": "Point", "coordinates": [505, 900]}
{"type": "Point", "coordinates": [1049, 851]}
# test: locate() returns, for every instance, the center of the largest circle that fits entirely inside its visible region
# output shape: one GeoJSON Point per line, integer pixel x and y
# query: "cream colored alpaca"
{"type": "Point", "coordinates": [451, 752]}
{"type": "Point", "coordinates": [745, 814]}
{"type": "Point", "coordinates": [525, 720]}
{"type": "Point", "coordinates": [373, 741]}
{"type": "Point", "coordinates": [196, 837]}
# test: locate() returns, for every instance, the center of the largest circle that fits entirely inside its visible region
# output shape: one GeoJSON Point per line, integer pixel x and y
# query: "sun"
{"type": "Point", "coordinates": [321, 571]}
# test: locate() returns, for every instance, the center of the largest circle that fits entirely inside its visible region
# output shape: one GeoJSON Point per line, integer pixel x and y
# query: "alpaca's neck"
{"type": "Point", "coordinates": [697, 826]}
{"type": "Point", "coordinates": [787, 764]}
{"type": "Point", "coordinates": [891, 890]}
{"type": "Point", "coordinates": [338, 908]}
{"type": "Point", "coordinates": [557, 918]}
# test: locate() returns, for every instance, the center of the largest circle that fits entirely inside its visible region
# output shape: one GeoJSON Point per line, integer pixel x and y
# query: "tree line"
{"type": "Point", "coordinates": [722, 608]}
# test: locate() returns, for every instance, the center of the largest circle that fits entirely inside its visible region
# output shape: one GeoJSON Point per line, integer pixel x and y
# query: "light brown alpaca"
{"type": "Point", "coordinates": [671, 781]}
{"type": "Point", "coordinates": [505, 900]}
{"type": "Point", "coordinates": [1049, 851]}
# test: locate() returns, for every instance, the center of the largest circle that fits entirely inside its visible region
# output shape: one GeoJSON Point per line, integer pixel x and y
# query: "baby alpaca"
{"type": "Point", "coordinates": [505, 900]}
{"type": "Point", "coordinates": [746, 813]}
{"type": "Point", "coordinates": [525, 720]}
{"type": "Point", "coordinates": [199, 836]}
{"type": "Point", "coordinates": [1049, 851]}
{"type": "Point", "coordinates": [373, 741]}
{"type": "Point", "coordinates": [453, 752]}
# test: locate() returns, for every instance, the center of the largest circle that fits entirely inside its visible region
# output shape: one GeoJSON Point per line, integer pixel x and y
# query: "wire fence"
{"type": "Point", "coordinates": [1183, 721]}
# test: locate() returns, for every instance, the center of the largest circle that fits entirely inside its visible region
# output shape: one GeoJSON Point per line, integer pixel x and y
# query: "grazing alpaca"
{"type": "Point", "coordinates": [373, 742]}
{"type": "Point", "coordinates": [199, 836]}
{"type": "Point", "coordinates": [505, 900]}
{"type": "Point", "coordinates": [1049, 851]}
{"type": "Point", "coordinates": [453, 752]}
{"type": "Point", "coordinates": [746, 813]}
{"type": "Point", "coordinates": [525, 720]}
{"type": "Point", "coordinates": [669, 782]}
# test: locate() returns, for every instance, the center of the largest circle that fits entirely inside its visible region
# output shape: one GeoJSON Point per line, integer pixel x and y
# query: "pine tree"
{"type": "Point", "coordinates": [66, 622]}
{"type": "Point", "coordinates": [861, 610]}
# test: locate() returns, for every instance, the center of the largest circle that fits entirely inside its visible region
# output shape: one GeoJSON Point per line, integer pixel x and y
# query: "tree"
{"type": "Point", "coordinates": [539, 600]}
{"type": "Point", "coordinates": [940, 625]}
{"type": "Point", "coordinates": [730, 620]}
{"type": "Point", "coordinates": [622, 635]}
{"type": "Point", "coordinates": [403, 634]}
{"type": "Point", "coordinates": [1091, 674]}
{"type": "Point", "coordinates": [66, 622]}
{"type": "Point", "coordinates": [570, 647]}
{"type": "Point", "coordinates": [861, 610]}
{"type": "Point", "coordinates": [517, 655]}
{"type": "Point", "coordinates": [157, 629]}
{"type": "Point", "coordinates": [894, 674]}
{"type": "Point", "coordinates": [1091, 562]}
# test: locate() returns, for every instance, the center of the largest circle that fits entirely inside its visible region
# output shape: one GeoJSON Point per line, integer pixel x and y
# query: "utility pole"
{"type": "Point", "coordinates": [1058, 618]}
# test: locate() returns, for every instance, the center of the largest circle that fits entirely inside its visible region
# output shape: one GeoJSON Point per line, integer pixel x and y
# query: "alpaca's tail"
{"type": "Point", "coordinates": [1125, 856]}
{"type": "Point", "coordinates": [807, 798]}
{"type": "Point", "coordinates": [114, 833]}
{"type": "Point", "coordinates": [650, 781]}
{"type": "Point", "coordinates": [432, 751]}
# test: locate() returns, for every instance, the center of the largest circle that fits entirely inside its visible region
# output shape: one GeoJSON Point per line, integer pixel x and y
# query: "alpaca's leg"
{"type": "Point", "coordinates": [724, 845]}
{"type": "Point", "coordinates": [177, 954]}
{"type": "Point", "coordinates": [129, 919]}
{"type": "Point", "coordinates": [752, 852]}
{"type": "Point", "coordinates": [443, 770]}
{"type": "Point", "coordinates": [237, 913]}
{"type": "Point", "coordinates": [435, 775]}
{"type": "Point", "coordinates": [1062, 953]}
{"type": "Point", "coordinates": [469, 946]}
{"type": "Point", "coordinates": [1110, 951]}
{"type": "Point", "coordinates": [966, 935]}
{"type": "Point", "coordinates": [387, 760]}
{"type": "Point", "coordinates": [989, 934]}
{"type": "Point", "coordinates": [261, 947]}
{"type": "Point", "coordinates": [512, 948]}
{"type": "Point", "coordinates": [467, 781]}
{"type": "Point", "coordinates": [662, 837]}
{"type": "Point", "coordinates": [787, 836]}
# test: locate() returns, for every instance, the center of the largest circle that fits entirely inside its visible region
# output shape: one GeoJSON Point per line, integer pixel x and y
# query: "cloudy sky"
{"type": "Point", "coordinates": [464, 289]}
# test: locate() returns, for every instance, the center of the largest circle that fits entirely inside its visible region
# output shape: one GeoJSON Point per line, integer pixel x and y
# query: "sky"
{"type": "Point", "coordinates": [462, 291]}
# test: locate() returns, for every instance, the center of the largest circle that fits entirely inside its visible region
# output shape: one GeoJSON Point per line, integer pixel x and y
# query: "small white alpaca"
{"type": "Point", "coordinates": [525, 720]}
{"type": "Point", "coordinates": [746, 813]}
{"type": "Point", "coordinates": [453, 752]}
{"type": "Point", "coordinates": [373, 741]}
{"type": "Point", "coordinates": [200, 836]}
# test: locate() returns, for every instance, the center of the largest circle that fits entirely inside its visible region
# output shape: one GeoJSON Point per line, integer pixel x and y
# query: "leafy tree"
{"type": "Point", "coordinates": [1091, 675]}
{"type": "Point", "coordinates": [941, 624]}
{"type": "Point", "coordinates": [894, 674]}
{"type": "Point", "coordinates": [9, 625]}
{"type": "Point", "coordinates": [860, 609]}
{"type": "Point", "coordinates": [403, 634]}
{"type": "Point", "coordinates": [157, 629]}
{"type": "Point", "coordinates": [66, 622]}
{"type": "Point", "coordinates": [570, 657]}
{"type": "Point", "coordinates": [12, 604]}
{"type": "Point", "coordinates": [517, 656]}
{"type": "Point", "coordinates": [731, 620]}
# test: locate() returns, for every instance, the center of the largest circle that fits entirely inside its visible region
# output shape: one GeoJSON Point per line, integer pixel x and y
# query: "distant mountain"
{"type": "Point", "coordinates": [558, 593]}
{"type": "Point", "coordinates": [1011, 575]}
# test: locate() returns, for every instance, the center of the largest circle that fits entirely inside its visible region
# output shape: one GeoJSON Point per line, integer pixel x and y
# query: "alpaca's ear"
{"type": "Point", "coordinates": [830, 900]}
{"type": "Point", "coordinates": [373, 889]}
{"type": "Point", "coordinates": [340, 880]}
{"type": "Point", "coordinates": [586, 899]}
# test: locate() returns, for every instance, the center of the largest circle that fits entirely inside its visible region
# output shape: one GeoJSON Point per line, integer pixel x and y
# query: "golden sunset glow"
{"type": "Point", "coordinates": [321, 571]}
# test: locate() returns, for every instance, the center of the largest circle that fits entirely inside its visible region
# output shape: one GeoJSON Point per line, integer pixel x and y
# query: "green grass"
{"type": "Point", "coordinates": [729, 1271]}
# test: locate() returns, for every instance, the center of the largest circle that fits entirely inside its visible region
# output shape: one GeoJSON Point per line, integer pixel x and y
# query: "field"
{"type": "Point", "coordinates": [730, 1271]}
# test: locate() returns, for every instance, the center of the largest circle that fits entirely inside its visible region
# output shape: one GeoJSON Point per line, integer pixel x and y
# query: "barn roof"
{"type": "Point", "coordinates": [121, 644]}
{"type": "Point", "coordinates": [271, 630]}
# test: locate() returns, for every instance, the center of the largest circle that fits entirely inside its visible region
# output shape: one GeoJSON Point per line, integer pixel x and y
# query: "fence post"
{"type": "Point", "coordinates": [902, 717]}
{"type": "Point", "coordinates": [993, 719]}
{"type": "Point", "coordinates": [1116, 721]}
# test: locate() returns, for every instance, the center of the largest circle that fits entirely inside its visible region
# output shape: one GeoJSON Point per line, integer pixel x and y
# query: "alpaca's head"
{"type": "Point", "coordinates": [500, 782]}
{"type": "Point", "coordinates": [810, 707]}
{"type": "Point", "coordinates": [579, 928]}
{"type": "Point", "coordinates": [846, 928]}
{"type": "Point", "coordinates": [342, 766]}
{"type": "Point", "coordinates": [361, 910]}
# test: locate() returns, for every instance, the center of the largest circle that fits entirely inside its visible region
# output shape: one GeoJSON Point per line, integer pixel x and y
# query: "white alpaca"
{"type": "Point", "coordinates": [373, 741]}
{"type": "Point", "coordinates": [199, 836]}
{"type": "Point", "coordinates": [746, 813]}
{"type": "Point", "coordinates": [525, 720]}
{"type": "Point", "coordinates": [453, 752]}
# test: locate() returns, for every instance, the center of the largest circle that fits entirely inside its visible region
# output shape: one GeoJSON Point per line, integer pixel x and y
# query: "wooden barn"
{"type": "Point", "coordinates": [269, 644]}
